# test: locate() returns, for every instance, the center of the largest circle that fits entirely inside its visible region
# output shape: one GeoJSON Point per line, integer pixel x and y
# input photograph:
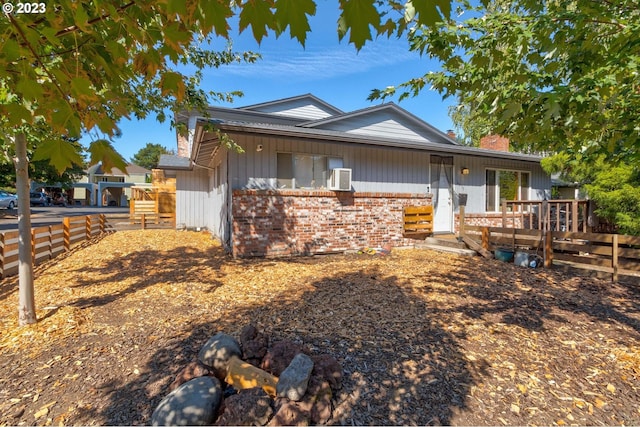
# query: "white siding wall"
{"type": "Point", "coordinates": [191, 198]}
{"type": "Point", "coordinates": [474, 183]}
{"type": "Point", "coordinates": [379, 124]}
{"type": "Point", "coordinates": [217, 209]}
{"type": "Point", "coordinates": [374, 169]}
{"type": "Point", "coordinates": [300, 108]}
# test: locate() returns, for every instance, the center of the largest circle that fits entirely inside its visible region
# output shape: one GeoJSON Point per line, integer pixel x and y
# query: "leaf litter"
{"type": "Point", "coordinates": [423, 337]}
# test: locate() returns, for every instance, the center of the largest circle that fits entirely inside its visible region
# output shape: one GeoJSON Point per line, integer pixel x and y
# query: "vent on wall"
{"type": "Point", "coordinates": [340, 179]}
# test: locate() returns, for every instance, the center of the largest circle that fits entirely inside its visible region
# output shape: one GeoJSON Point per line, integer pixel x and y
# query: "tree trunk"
{"type": "Point", "coordinates": [26, 297]}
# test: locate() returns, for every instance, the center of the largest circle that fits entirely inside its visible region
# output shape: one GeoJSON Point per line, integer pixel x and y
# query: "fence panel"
{"type": "Point", "coordinates": [610, 253]}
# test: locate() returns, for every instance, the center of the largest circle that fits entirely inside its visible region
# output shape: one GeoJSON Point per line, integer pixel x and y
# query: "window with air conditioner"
{"type": "Point", "coordinates": [305, 171]}
{"type": "Point", "coordinates": [340, 179]}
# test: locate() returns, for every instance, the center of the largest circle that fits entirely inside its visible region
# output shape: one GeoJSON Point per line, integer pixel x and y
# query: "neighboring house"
{"type": "Point", "coordinates": [314, 179]}
{"type": "Point", "coordinates": [109, 188]}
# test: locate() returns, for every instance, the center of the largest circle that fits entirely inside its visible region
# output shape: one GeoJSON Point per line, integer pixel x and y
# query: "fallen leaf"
{"type": "Point", "coordinates": [515, 408]}
{"type": "Point", "coordinates": [522, 388]}
{"type": "Point", "coordinates": [611, 388]}
{"type": "Point", "coordinates": [599, 403]}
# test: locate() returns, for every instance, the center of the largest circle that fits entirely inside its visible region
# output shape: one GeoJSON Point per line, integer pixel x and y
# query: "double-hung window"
{"type": "Point", "coordinates": [297, 170]}
{"type": "Point", "coordinates": [505, 185]}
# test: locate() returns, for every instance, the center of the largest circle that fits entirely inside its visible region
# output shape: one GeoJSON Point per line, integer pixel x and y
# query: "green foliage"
{"type": "Point", "coordinates": [616, 191]}
{"type": "Point", "coordinates": [149, 155]}
{"type": "Point", "coordinates": [615, 188]}
{"type": "Point", "coordinates": [553, 76]}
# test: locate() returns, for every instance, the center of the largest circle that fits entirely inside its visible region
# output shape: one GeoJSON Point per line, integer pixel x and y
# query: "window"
{"type": "Point", "coordinates": [505, 185]}
{"type": "Point", "coordinates": [296, 170]}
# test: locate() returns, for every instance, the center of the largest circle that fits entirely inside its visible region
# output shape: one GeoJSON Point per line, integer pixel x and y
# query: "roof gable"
{"type": "Point", "coordinates": [307, 107]}
{"type": "Point", "coordinates": [382, 121]}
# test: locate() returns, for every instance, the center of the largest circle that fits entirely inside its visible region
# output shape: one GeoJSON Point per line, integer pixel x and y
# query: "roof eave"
{"type": "Point", "coordinates": [368, 140]}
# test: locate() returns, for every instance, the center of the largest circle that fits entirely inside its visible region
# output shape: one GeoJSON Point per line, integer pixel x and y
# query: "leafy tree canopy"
{"type": "Point", "coordinates": [615, 188]}
{"type": "Point", "coordinates": [149, 155]}
{"type": "Point", "coordinates": [552, 75]}
{"type": "Point", "coordinates": [81, 66]}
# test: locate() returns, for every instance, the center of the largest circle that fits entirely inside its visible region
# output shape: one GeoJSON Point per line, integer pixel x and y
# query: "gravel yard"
{"type": "Point", "coordinates": [424, 338]}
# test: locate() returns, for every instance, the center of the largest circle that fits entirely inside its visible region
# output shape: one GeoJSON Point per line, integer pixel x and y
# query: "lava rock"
{"type": "Point", "coordinates": [194, 403]}
{"type": "Point", "coordinates": [193, 370]}
{"type": "Point", "coordinates": [294, 380]}
{"type": "Point", "coordinates": [250, 407]}
{"type": "Point", "coordinates": [327, 367]}
{"type": "Point", "coordinates": [317, 401]}
{"type": "Point", "coordinates": [218, 350]}
{"type": "Point", "coordinates": [289, 414]}
{"type": "Point", "coordinates": [280, 355]}
{"type": "Point", "coordinates": [254, 345]}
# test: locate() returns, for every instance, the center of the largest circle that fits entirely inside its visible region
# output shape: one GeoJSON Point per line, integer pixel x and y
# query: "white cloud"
{"type": "Point", "coordinates": [322, 62]}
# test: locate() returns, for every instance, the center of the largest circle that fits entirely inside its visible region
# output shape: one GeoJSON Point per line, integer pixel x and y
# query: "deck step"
{"type": "Point", "coordinates": [451, 242]}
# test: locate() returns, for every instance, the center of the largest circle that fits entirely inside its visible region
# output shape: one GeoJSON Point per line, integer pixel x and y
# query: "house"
{"type": "Point", "coordinates": [314, 179]}
{"type": "Point", "coordinates": [109, 188]}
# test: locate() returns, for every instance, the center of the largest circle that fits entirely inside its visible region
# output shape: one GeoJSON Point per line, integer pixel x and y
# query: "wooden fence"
{"type": "Point", "coordinates": [49, 241]}
{"type": "Point", "coordinates": [609, 253]}
{"type": "Point", "coordinates": [418, 221]}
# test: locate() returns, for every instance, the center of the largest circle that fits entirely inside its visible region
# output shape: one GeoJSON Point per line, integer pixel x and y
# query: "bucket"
{"type": "Point", "coordinates": [505, 255]}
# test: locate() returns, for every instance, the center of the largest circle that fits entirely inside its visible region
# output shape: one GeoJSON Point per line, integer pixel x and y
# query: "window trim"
{"type": "Point", "coordinates": [293, 154]}
{"type": "Point", "coordinates": [497, 201]}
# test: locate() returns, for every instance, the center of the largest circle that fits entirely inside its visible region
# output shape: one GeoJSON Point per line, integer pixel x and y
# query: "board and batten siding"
{"type": "Point", "coordinates": [474, 184]}
{"type": "Point", "coordinates": [192, 194]}
{"type": "Point", "coordinates": [218, 204]}
{"type": "Point", "coordinates": [375, 169]}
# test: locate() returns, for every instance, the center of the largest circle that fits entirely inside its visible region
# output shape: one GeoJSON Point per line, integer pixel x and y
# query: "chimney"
{"type": "Point", "coordinates": [494, 142]}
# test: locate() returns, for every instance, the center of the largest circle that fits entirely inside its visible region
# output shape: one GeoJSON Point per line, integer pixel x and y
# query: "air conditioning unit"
{"type": "Point", "coordinates": [340, 179]}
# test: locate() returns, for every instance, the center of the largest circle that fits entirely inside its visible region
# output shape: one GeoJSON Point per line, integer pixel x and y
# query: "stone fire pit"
{"type": "Point", "coordinates": [252, 382]}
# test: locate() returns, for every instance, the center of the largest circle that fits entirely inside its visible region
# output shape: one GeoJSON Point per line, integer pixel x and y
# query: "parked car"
{"type": "Point", "coordinates": [38, 199]}
{"type": "Point", "coordinates": [8, 200]}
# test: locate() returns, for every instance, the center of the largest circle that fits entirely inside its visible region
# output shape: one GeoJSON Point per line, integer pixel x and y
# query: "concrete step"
{"type": "Point", "coordinates": [442, 248]}
{"type": "Point", "coordinates": [451, 242]}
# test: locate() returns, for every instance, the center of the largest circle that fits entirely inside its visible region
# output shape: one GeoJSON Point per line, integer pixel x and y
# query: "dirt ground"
{"type": "Point", "coordinates": [424, 338]}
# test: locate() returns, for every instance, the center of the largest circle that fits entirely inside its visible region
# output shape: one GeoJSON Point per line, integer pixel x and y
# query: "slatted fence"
{"type": "Point", "coordinates": [418, 221]}
{"type": "Point", "coordinates": [49, 241]}
{"type": "Point", "coordinates": [610, 253]}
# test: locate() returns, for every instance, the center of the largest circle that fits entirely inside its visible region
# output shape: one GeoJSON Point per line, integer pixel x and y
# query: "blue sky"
{"type": "Point", "coordinates": [331, 70]}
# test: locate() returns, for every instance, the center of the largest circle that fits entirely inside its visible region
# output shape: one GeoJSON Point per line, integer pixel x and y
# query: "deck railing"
{"type": "Point", "coordinates": [552, 215]}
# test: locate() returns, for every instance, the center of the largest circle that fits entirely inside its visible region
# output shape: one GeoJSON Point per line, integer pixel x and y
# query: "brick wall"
{"type": "Point", "coordinates": [299, 222]}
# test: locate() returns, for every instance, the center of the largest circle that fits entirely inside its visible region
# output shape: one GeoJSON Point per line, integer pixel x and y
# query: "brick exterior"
{"type": "Point", "coordinates": [183, 146]}
{"type": "Point", "coordinates": [297, 222]}
{"type": "Point", "coordinates": [494, 142]}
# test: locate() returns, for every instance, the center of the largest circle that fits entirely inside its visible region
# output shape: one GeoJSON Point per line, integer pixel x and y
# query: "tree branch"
{"type": "Point", "coordinates": [74, 28]}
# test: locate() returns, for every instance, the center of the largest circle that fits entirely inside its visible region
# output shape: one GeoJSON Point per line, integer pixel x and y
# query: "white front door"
{"type": "Point", "coordinates": [441, 176]}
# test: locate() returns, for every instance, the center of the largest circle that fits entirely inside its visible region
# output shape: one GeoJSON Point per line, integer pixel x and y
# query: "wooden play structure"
{"type": "Point", "coordinates": [155, 205]}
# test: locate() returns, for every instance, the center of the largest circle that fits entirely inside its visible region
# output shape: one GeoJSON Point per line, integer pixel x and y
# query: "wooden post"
{"type": "Point", "coordinates": [504, 213]}
{"type": "Point", "coordinates": [87, 227]}
{"type": "Point", "coordinates": [574, 214]}
{"type": "Point", "coordinates": [103, 220]}
{"type": "Point", "coordinates": [614, 257]}
{"type": "Point", "coordinates": [2, 245]}
{"type": "Point", "coordinates": [66, 233]}
{"type": "Point", "coordinates": [548, 249]}
{"type": "Point", "coordinates": [461, 219]}
{"type": "Point", "coordinates": [50, 242]}
{"type": "Point", "coordinates": [485, 237]}
{"type": "Point", "coordinates": [143, 221]}
{"type": "Point", "coordinates": [33, 245]}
